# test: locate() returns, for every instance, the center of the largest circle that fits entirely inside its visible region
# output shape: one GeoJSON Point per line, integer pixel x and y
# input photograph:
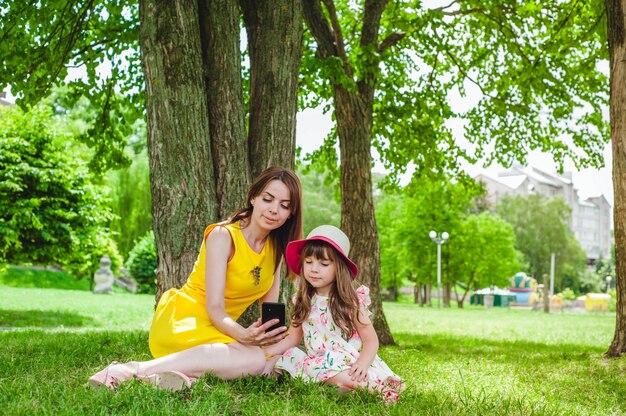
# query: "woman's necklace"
{"type": "Point", "coordinates": [256, 274]}
{"type": "Point", "coordinates": [256, 270]}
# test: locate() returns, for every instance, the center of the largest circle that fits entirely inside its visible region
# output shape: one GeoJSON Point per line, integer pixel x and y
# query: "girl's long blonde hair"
{"type": "Point", "coordinates": [343, 302]}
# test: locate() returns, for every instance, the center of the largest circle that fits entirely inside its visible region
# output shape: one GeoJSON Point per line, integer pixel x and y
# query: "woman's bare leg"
{"type": "Point", "coordinates": [226, 361]}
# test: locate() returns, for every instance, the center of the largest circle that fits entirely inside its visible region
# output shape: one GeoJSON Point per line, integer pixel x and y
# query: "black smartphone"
{"type": "Point", "coordinates": [273, 310]}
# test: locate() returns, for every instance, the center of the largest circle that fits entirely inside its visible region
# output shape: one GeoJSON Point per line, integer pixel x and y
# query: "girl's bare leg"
{"type": "Point", "coordinates": [343, 379]}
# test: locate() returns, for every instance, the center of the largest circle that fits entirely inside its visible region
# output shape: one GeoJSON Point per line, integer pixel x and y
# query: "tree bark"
{"type": "Point", "coordinates": [275, 31]}
{"type": "Point", "coordinates": [616, 30]}
{"type": "Point", "coordinates": [446, 295]}
{"type": "Point", "coordinates": [354, 125]}
{"type": "Point", "coordinates": [181, 165]}
{"type": "Point", "coordinates": [220, 28]}
{"type": "Point", "coordinates": [202, 159]}
{"type": "Point", "coordinates": [418, 294]}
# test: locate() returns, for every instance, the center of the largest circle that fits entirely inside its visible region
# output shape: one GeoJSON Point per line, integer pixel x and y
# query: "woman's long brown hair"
{"type": "Point", "coordinates": [292, 228]}
{"type": "Point", "coordinates": [343, 302]}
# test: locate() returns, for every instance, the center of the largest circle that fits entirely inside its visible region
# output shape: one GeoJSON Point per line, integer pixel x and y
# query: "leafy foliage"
{"type": "Point", "coordinates": [320, 205]}
{"type": "Point", "coordinates": [97, 36]}
{"type": "Point", "coordinates": [130, 202]}
{"type": "Point", "coordinates": [541, 228]}
{"type": "Point", "coordinates": [528, 76]}
{"type": "Point", "coordinates": [485, 252]}
{"type": "Point", "coordinates": [50, 211]}
{"type": "Point", "coordinates": [481, 248]}
{"type": "Point", "coordinates": [142, 263]}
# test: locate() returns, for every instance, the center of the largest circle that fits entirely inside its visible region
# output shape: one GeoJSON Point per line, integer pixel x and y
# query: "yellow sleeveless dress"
{"type": "Point", "coordinates": [181, 320]}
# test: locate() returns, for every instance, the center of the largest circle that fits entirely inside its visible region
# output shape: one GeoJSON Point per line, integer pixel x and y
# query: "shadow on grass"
{"type": "Point", "coordinates": [494, 349]}
{"type": "Point", "coordinates": [42, 279]}
{"type": "Point", "coordinates": [43, 319]}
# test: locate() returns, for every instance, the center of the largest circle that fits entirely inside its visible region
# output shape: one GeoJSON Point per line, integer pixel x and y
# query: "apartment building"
{"type": "Point", "coordinates": [591, 219]}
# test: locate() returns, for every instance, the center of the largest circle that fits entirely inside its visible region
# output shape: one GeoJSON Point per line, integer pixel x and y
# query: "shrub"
{"type": "Point", "coordinates": [568, 294]}
{"type": "Point", "coordinates": [142, 263]}
{"type": "Point", "coordinates": [51, 212]}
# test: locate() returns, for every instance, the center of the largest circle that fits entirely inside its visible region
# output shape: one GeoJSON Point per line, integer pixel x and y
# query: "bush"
{"type": "Point", "coordinates": [589, 282]}
{"type": "Point", "coordinates": [142, 263]}
{"type": "Point", "coordinates": [568, 294]}
{"type": "Point", "coordinates": [613, 300]}
{"type": "Point", "coordinates": [84, 260]}
{"type": "Point", "coordinates": [51, 210]}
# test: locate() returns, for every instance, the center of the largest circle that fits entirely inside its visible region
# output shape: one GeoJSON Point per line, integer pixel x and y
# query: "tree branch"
{"type": "Point", "coordinates": [466, 75]}
{"type": "Point", "coordinates": [439, 9]}
{"type": "Point", "coordinates": [334, 21]}
{"type": "Point", "coordinates": [560, 27]}
{"type": "Point", "coordinates": [319, 27]}
{"type": "Point", "coordinates": [391, 41]}
{"type": "Point", "coordinates": [372, 13]}
{"type": "Point", "coordinates": [476, 10]}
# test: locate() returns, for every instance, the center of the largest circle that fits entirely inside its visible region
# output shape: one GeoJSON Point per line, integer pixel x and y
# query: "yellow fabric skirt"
{"type": "Point", "coordinates": [181, 322]}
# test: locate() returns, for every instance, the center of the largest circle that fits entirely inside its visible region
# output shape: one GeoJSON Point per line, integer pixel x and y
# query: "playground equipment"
{"type": "Point", "coordinates": [597, 302]}
{"type": "Point", "coordinates": [522, 286]}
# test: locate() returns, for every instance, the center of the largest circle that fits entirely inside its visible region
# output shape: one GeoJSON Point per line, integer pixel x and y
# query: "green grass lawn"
{"type": "Point", "coordinates": [455, 362]}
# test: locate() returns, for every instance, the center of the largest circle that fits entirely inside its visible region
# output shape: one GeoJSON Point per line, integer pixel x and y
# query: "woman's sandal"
{"type": "Point", "coordinates": [168, 380]}
{"type": "Point", "coordinates": [173, 380]}
{"type": "Point", "coordinates": [103, 378]}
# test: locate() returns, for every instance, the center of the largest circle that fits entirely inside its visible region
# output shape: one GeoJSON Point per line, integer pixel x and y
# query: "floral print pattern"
{"type": "Point", "coordinates": [328, 353]}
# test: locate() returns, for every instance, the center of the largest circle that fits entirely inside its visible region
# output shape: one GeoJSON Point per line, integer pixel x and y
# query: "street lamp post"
{"type": "Point", "coordinates": [439, 240]}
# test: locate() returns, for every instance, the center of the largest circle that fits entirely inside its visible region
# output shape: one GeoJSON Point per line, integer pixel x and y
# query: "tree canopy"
{"type": "Point", "coordinates": [99, 38]}
{"type": "Point", "coordinates": [480, 251]}
{"type": "Point", "coordinates": [541, 227]}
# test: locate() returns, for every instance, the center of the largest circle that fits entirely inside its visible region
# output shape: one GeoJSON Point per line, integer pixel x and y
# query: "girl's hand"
{"type": "Point", "coordinates": [358, 371]}
{"type": "Point", "coordinates": [255, 334]}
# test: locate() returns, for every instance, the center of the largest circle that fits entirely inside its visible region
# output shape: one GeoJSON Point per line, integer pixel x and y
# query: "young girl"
{"type": "Point", "coordinates": [340, 341]}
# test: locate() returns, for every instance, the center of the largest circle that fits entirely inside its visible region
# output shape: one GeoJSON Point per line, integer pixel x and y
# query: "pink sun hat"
{"type": "Point", "coordinates": [327, 233]}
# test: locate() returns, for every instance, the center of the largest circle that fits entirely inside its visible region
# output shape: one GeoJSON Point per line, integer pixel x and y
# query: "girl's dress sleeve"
{"type": "Point", "coordinates": [363, 295]}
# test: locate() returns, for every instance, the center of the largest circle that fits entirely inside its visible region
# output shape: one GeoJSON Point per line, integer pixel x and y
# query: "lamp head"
{"type": "Point", "coordinates": [445, 235]}
{"type": "Point", "coordinates": [432, 234]}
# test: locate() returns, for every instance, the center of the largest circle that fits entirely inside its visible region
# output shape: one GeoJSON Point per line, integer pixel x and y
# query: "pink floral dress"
{"type": "Point", "coordinates": [328, 353]}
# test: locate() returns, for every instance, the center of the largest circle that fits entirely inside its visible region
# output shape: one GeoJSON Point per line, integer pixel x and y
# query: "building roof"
{"type": "Point", "coordinates": [537, 175]}
{"type": "Point", "coordinates": [587, 203]}
{"type": "Point", "coordinates": [512, 182]}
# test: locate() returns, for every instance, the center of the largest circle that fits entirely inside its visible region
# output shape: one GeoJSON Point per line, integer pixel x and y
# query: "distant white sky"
{"type": "Point", "coordinates": [313, 126]}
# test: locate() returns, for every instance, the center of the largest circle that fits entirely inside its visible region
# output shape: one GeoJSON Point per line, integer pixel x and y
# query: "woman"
{"type": "Point", "coordinates": [194, 329]}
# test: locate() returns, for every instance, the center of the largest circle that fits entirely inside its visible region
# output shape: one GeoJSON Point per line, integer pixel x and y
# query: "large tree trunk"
{"type": "Point", "coordinates": [354, 125]}
{"type": "Point", "coordinates": [202, 159]}
{"type": "Point", "coordinates": [275, 31]}
{"type": "Point", "coordinates": [616, 22]}
{"type": "Point", "coordinates": [220, 26]}
{"type": "Point", "coordinates": [181, 164]}
{"type": "Point", "coordinates": [354, 112]}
